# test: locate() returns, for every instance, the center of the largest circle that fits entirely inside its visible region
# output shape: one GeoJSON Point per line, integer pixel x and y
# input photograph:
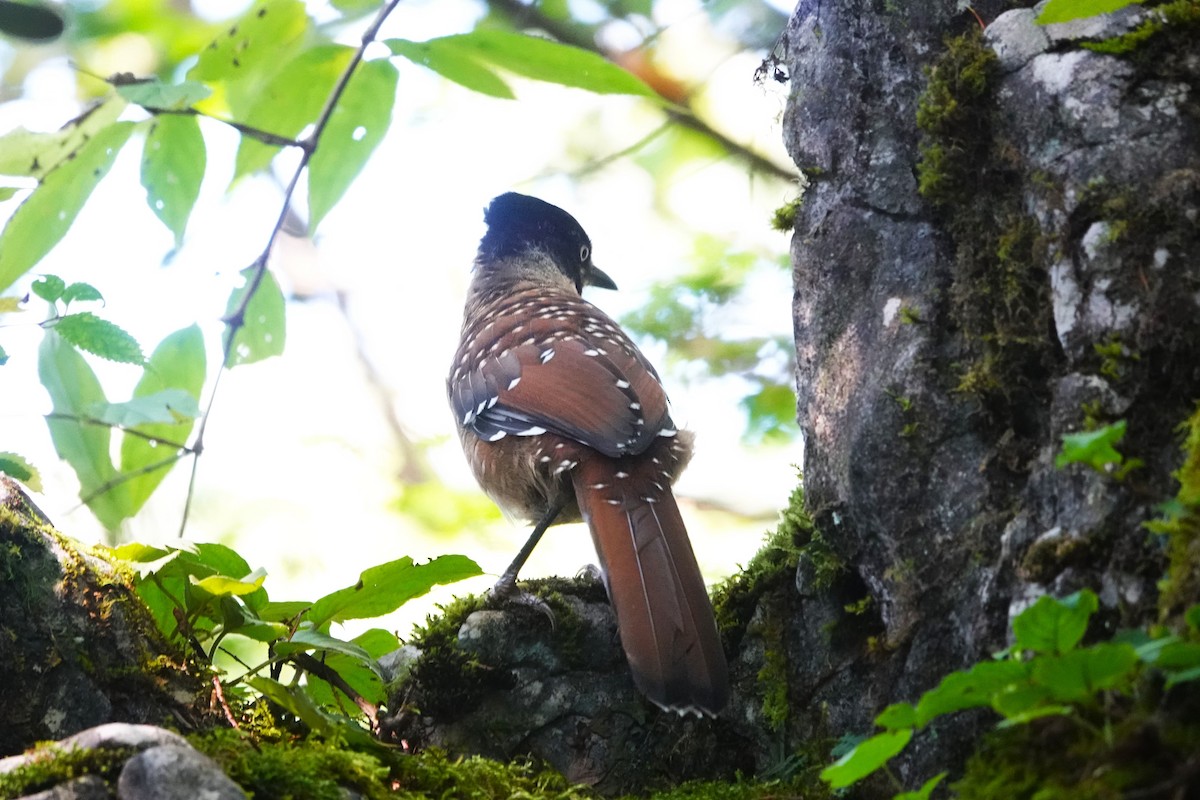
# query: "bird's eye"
{"type": "Point", "coordinates": [584, 252]}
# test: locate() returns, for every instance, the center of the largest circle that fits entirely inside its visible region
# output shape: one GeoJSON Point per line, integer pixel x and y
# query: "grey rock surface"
{"type": "Point", "coordinates": [174, 772]}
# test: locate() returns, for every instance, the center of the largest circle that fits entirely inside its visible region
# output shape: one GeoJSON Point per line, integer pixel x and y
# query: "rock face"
{"type": "Point", "coordinates": [1000, 246]}
{"type": "Point", "coordinates": [78, 649]}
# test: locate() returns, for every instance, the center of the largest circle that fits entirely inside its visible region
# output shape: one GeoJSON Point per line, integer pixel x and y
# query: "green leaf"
{"type": "Point", "coordinates": [381, 590]}
{"type": "Point", "coordinates": [1179, 655]}
{"type": "Point", "coordinates": [263, 331]}
{"type": "Point", "coordinates": [154, 94]}
{"type": "Point", "coordinates": [73, 389]}
{"type": "Point", "coordinates": [31, 21]}
{"type": "Point", "coordinates": [99, 337]}
{"type": "Point", "coordinates": [168, 406]}
{"type": "Point", "coordinates": [377, 642]}
{"type": "Point", "coordinates": [1078, 675]}
{"type": "Point", "coordinates": [49, 287]}
{"type": "Point", "coordinates": [311, 639]}
{"type": "Point", "coordinates": [8, 192]}
{"type": "Point", "coordinates": [925, 790]}
{"type": "Point", "coordinates": [454, 64]}
{"type": "Point", "coordinates": [971, 689]}
{"type": "Point", "coordinates": [173, 379]}
{"type": "Point", "coordinates": [34, 154]}
{"type": "Point", "coordinates": [897, 715]}
{"type": "Point", "coordinates": [1054, 626]}
{"type": "Point", "coordinates": [81, 293]}
{"type": "Point", "coordinates": [252, 43]}
{"type": "Point", "coordinates": [1020, 700]}
{"type": "Point", "coordinates": [173, 162]}
{"type": "Point", "coordinates": [1192, 618]}
{"type": "Point", "coordinates": [355, 128]}
{"type": "Point", "coordinates": [1067, 10]}
{"type": "Point", "coordinates": [1184, 676]}
{"type": "Point", "coordinates": [1093, 448]}
{"type": "Point", "coordinates": [19, 469]}
{"type": "Point", "coordinates": [46, 215]}
{"type": "Point", "coordinates": [1038, 712]}
{"type": "Point", "coordinates": [870, 755]}
{"type": "Point", "coordinates": [292, 100]}
{"type": "Point", "coordinates": [222, 585]}
{"type": "Point", "coordinates": [544, 60]}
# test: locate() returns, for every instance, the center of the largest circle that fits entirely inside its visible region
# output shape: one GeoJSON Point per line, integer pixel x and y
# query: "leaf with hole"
{"type": "Point", "coordinates": [44, 218]}
{"type": "Point", "coordinates": [173, 162]}
{"type": "Point", "coordinates": [263, 331]}
{"type": "Point", "coordinates": [357, 125]}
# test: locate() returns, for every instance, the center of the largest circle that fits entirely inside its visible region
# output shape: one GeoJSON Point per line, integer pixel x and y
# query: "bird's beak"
{"type": "Point", "coordinates": [598, 277]}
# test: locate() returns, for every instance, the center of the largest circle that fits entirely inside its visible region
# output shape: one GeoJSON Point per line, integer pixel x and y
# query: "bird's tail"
{"type": "Point", "coordinates": [663, 612]}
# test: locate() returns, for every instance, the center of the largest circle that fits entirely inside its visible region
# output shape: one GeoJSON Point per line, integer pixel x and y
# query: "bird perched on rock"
{"type": "Point", "coordinates": [561, 418]}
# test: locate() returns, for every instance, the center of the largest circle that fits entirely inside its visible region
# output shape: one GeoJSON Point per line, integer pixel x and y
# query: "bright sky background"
{"type": "Point", "coordinates": [299, 468]}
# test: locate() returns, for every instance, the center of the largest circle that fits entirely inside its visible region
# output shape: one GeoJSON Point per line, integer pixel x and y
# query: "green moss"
{"type": "Point", "coordinates": [1180, 528]}
{"type": "Point", "coordinates": [784, 218]}
{"type": "Point", "coordinates": [999, 298]}
{"type": "Point", "coordinates": [54, 766]}
{"type": "Point", "coordinates": [1115, 358]}
{"type": "Point", "coordinates": [453, 681]}
{"type": "Point", "coordinates": [743, 789]}
{"type": "Point", "coordinates": [910, 315]}
{"type": "Point", "coordinates": [1168, 26]}
{"type": "Point", "coordinates": [315, 770]}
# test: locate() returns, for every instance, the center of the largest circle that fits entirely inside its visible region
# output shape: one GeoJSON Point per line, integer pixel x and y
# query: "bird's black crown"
{"type": "Point", "coordinates": [518, 223]}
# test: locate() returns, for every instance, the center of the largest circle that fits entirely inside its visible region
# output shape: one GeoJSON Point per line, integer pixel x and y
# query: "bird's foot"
{"type": "Point", "coordinates": [506, 590]}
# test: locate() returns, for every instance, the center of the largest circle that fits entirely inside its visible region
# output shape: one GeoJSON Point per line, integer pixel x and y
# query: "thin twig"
{"type": "Point", "coordinates": [330, 676]}
{"type": "Point", "coordinates": [85, 420]}
{"type": "Point", "coordinates": [220, 697]}
{"type": "Point", "coordinates": [266, 137]}
{"type": "Point", "coordinates": [235, 320]}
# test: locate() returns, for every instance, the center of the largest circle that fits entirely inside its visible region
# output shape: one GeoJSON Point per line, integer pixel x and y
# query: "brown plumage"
{"type": "Point", "coordinates": [561, 418]}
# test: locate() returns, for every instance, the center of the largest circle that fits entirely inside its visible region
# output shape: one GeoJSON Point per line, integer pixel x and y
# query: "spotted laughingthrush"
{"type": "Point", "coordinates": [562, 418]}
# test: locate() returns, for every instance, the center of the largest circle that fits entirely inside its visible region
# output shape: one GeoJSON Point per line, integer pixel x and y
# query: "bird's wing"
{"type": "Point", "coordinates": [562, 367]}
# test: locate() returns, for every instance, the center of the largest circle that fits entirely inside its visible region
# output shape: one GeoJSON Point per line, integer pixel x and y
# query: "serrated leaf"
{"type": "Point", "coordinates": [381, 590]}
{"type": "Point", "coordinates": [1066, 10]}
{"type": "Point", "coordinates": [173, 162]}
{"type": "Point", "coordinates": [34, 153]}
{"type": "Point", "coordinates": [868, 756]}
{"type": "Point", "coordinates": [81, 292]}
{"type": "Point", "coordinates": [176, 370]}
{"type": "Point", "coordinates": [170, 406]}
{"type": "Point", "coordinates": [453, 64]}
{"type": "Point", "coordinates": [47, 214]}
{"type": "Point", "coordinates": [49, 287]}
{"type": "Point", "coordinates": [252, 42]}
{"type": "Point", "coordinates": [30, 21]}
{"type": "Point", "coordinates": [355, 128]}
{"type": "Point", "coordinates": [1054, 626]}
{"type": "Point", "coordinates": [545, 60]}
{"type": "Point", "coordinates": [263, 332]}
{"type": "Point", "coordinates": [154, 94]}
{"type": "Point", "coordinates": [73, 388]}
{"type": "Point", "coordinates": [99, 337]}
{"type": "Point", "coordinates": [1093, 448]}
{"type": "Point", "coordinates": [291, 101]}
{"type": "Point", "coordinates": [18, 468]}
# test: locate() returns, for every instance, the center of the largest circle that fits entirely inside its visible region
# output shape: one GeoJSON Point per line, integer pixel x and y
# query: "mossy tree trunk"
{"type": "Point", "coordinates": [999, 246]}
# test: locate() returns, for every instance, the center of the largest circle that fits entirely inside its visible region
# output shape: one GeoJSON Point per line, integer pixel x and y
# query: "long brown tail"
{"type": "Point", "coordinates": [663, 612]}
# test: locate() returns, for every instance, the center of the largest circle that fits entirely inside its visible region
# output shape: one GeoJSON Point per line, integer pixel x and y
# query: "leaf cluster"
{"type": "Point", "coordinates": [1047, 672]}
{"type": "Point", "coordinates": [207, 600]}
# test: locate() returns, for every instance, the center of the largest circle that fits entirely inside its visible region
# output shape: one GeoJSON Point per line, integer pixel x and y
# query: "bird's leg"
{"type": "Point", "coordinates": [508, 581]}
{"type": "Point", "coordinates": [506, 587]}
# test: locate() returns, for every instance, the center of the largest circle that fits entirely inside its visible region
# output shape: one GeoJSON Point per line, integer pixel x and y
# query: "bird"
{"type": "Point", "coordinates": [562, 418]}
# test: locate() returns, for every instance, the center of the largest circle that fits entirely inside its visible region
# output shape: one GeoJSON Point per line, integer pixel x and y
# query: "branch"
{"type": "Point", "coordinates": [327, 674]}
{"type": "Point", "coordinates": [266, 137]}
{"type": "Point", "coordinates": [237, 319]}
{"type": "Point", "coordinates": [84, 420]}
